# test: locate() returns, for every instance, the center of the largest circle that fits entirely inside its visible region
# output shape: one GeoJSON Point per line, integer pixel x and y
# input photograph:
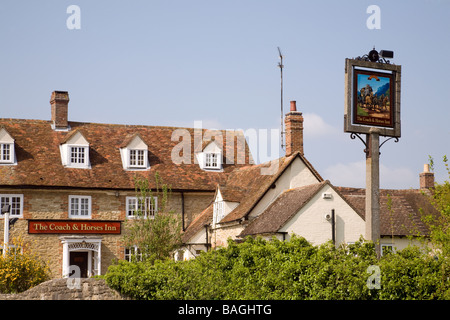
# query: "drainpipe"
{"type": "Point", "coordinates": [333, 227]}
{"type": "Point", "coordinates": [207, 242]}
{"type": "Point", "coordinates": [182, 211]}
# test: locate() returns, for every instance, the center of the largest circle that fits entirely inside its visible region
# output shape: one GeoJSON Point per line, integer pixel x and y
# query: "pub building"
{"type": "Point", "coordinates": [71, 185]}
{"type": "Point", "coordinates": [71, 190]}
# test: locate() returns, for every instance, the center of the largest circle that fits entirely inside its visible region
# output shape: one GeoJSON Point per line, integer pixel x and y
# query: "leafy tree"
{"type": "Point", "coordinates": [154, 230]}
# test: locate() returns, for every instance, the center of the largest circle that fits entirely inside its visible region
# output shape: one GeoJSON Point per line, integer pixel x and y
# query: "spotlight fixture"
{"type": "Point", "coordinates": [387, 54]}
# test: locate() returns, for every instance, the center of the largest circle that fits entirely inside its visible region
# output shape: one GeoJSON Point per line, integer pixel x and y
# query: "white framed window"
{"type": "Point", "coordinates": [386, 248]}
{"type": "Point", "coordinates": [218, 211]}
{"type": "Point", "coordinates": [78, 156]}
{"type": "Point", "coordinates": [133, 252]}
{"type": "Point", "coordinates": [137, 158]}
{"type": "Point", "coordinates": [16, 203]}
{"type": "Point", "coordinates": [147, 208]}
{"type": "Point", "coordinates": [80, 207]}
{"type": "Point", "coordinates": [212, 160]}
{"type": "Point", "coordinates": [5, 153]}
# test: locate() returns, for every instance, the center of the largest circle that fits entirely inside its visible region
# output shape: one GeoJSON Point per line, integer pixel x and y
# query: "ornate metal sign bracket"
{"type": "Point", "coordinates": [366, 149]}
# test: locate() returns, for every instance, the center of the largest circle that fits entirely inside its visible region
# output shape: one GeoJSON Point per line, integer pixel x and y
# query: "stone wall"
{"type": "Point", "coordinates": [58, 289]}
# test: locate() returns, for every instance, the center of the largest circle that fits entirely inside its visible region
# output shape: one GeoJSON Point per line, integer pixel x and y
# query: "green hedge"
{"type": "Point", "coordinates": [295, 269]}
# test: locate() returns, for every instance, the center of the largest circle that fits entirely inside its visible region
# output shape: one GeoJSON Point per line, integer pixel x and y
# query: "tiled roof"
{"type": "Point", "coordinates": [402, 217]}
{"type": "Point", "coordinates": [255, 184]}
{"type": "Point", "coordinates": [247, 186]}
{"type": "Point", "coordinates": [198, 223]}
{"type": "Point", "coordinates": [282, 209]}
{"type": "Point", "coordinates": [39, 161]}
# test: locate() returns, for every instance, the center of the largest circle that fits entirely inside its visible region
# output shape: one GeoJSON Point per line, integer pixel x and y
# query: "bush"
{"type": "Point", "coordinates": [20, 269]}
{"type": "Point", "coordinates": [295, 269]}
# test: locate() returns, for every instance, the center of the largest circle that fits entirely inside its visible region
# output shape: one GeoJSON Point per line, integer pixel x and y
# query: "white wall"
{"type": "Point", "coordinates": [310, 221]}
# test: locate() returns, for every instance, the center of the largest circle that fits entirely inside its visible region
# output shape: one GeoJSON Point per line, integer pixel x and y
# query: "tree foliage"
{"type": "Point", "coordinates": [294, 269]}
{"type": "Point", "coordinates": [155, 236]}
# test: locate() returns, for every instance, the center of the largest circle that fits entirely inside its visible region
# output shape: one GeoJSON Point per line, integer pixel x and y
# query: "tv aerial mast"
{"type": "Point", "coordinates": [281, 66]}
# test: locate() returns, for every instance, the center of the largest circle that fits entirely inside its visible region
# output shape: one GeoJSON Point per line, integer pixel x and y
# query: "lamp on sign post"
{"type": "Point", "coordinates": [5, 212]}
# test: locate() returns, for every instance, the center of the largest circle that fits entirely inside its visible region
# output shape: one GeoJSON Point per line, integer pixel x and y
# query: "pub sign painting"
{"type": "Point", "coordinates": [373, 100]}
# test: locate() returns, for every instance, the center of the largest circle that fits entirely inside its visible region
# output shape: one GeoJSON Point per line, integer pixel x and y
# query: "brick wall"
{"type": "Point", "coordinates": [294, 130]}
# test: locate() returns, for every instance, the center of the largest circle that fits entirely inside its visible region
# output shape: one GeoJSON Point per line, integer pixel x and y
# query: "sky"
{"type": "Point", "coordinates": [173, 63]}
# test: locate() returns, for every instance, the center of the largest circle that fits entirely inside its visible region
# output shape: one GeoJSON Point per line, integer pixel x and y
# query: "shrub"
{"type": "Point", "coordinates": [295, 269]}
{"type": "Point", "coordinates": [21, 269]}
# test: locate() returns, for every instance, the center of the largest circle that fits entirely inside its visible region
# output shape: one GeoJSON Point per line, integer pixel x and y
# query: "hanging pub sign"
{"type": "Point", "coordinates": [372, 98]}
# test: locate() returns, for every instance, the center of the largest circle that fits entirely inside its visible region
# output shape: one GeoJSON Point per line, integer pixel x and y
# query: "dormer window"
{"type": "Point", "coordinates": [211, 157]}
{"type": "Point", "coordinates": [75, 151]}
{"type": "Point", "coordinates": [134, 153]}
{"type": "Point", "coordinates": [7, 154]}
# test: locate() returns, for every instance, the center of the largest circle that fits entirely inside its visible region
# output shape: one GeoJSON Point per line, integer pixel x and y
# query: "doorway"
{"type": "Point", "coordinates": [80, 259]}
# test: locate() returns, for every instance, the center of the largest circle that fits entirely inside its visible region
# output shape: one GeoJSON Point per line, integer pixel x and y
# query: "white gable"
{"type": "Point", "coordinates": [296, 175]}
{"type": "Point", "coordinates": [212, 147]}
{"type": "Point", "coordinates": [5, 137]}
{"type": "Point", "coordinates": [77, 139]}
{"type": "Point", "coordinates": [137, 143]}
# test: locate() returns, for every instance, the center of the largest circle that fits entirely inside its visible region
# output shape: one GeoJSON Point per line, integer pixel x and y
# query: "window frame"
{"type": "Point", "coordinates": [133, 251]}
{"type": "Point", "coordinates": [129, 208]}
{"type": "Point", "coordinates": [10, 153]}
{"type": "Point", "coordinates": [79, 215]}
{"type": "Point", "coordinates": [78, 164]}
{"type": "Point", "coordinates": [133, 161]}
{"type": "Point", "coordinates": [218, 211]}
{"type": "Point", "coordinates": [209, 161]}
{"type": "Point", "coordinates": [386, 245]}
{"type": "Point", "coordinates": [10, 196]}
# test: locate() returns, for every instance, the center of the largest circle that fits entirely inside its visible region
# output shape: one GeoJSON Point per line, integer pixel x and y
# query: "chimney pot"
{"type": "Point", "coordinates": [293, 105]}
{"type": "Point", "coordinates": [59, 102]}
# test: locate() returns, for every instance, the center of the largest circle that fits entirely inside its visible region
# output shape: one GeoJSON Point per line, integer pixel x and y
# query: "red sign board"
{"type": "Point", "coordinates": [73, 226]}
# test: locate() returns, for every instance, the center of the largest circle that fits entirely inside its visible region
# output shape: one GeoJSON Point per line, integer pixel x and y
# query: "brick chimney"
{"type": "Point", "coordinates": [426, 178]}
{"type": "Point", "coordinates": [293, 123]}
{"type": "Point", "coordinates": [59, 102]}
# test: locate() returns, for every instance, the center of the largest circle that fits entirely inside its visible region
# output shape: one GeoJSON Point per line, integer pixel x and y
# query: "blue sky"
{"type": "Point", "coordinates": [363, 80]}
{"type": "Point", "coordinates": [175, 62]}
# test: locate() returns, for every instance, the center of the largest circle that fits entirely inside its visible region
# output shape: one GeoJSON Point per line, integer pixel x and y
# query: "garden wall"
{"type": "Point", "coordinates": [57, 289]}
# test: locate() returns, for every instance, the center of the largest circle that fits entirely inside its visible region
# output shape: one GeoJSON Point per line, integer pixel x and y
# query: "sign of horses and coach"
{"type": "Point", "coordinates": [372, 98]}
